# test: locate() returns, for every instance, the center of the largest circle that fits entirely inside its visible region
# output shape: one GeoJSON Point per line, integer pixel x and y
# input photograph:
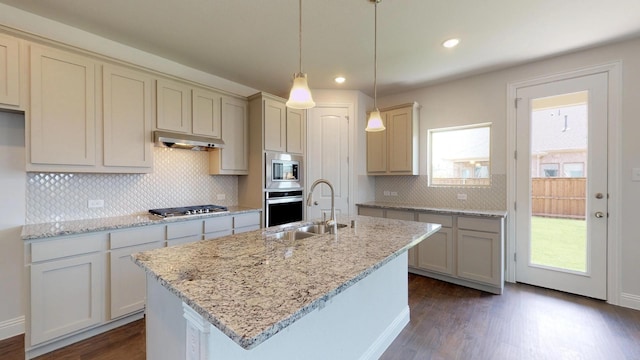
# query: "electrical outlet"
{"type": "Point", "coordinates": [387, 193]}
{"type": "Point", "coordinates": [221, 196]}
{"type": "Point", "coordinates": [95, 203]}
{"type": "Point", "coordinates": [462, 197]}
{"type": "Point", "coordinates": [394, 193]}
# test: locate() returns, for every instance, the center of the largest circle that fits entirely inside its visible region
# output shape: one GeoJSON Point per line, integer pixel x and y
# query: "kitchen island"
{"type": "Point", "coordinates": [258, 296]}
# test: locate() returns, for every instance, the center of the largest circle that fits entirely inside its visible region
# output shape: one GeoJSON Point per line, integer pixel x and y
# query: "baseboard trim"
{"type": "Point", "coordinates": [12, 327]}
{"type": "Point", "coordinates": [497, 290]}
{"type": "Point", "coordinates": [630, 301]}
{"type": "Point", "coordinates": [388, 335]}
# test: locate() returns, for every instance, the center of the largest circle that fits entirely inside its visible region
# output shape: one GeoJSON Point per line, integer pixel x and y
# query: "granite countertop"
{"type": "Point", "coordinates": [252, 285]}
{"type": "Point", "coordinates": [44, 230]}
{"type": "Point", "coordinates": [445, 211]}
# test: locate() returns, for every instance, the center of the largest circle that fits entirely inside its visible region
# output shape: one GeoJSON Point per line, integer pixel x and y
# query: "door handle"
{"type": "Point", "coordinates": [599, 214]}
{"type": "Point", "coordinates": [315, 202]}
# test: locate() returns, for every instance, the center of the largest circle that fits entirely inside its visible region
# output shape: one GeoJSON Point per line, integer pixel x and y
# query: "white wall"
{"type": "Point", "coordinates": [482, 98]}
{"type": "Point", "coordinates": [12, 210]}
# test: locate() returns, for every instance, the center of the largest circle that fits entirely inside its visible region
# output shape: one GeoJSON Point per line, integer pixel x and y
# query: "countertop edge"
{"type": "Point", "coordinates": [75, 227]}
{"type": "Point", "coordinates": [446, 211]}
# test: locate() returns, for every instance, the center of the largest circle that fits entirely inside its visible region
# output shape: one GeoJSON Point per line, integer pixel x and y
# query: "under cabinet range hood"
{"type": "Point", "coordinates": [185, 141]}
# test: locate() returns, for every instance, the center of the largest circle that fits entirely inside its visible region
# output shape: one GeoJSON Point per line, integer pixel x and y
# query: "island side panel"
{"type": "Point", "coordinates": [359, 323]}
{"type": "Point", "coordinates": [165, 323]}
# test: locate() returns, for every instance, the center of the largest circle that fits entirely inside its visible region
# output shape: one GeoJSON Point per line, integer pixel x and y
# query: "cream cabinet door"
{"type": "Point", "coordinates": [399, 137]}
{"type": "Point", "coordinates": [66, 295]}
{"type": "Point", "coordinates": [127, 117]}
{"type": "Point", "coordinates": [128, 280]}
{"type": "Point", "coordinates": [479, 256]}
{"type": "Point", "coordinates": [377, 151]}
{"type": "Point", "coordinates": [436, 252]}
{"type": "Point", "coordinates": [409, 216]}
{"type": "Point", "coordinates": [62, 117]}
{"type": "Point", "coordinates": [275, 125]}
{"type": "Point", "coordinates": [233, 159]}
{"type": "Point", "coordinates": [173, 106]}
{"type": "Point", "coordinates": [9, 71]}
{"type": "Point", "coordinates": [295, 131]}
{"type": "Point", "coordinates": [206, 113]}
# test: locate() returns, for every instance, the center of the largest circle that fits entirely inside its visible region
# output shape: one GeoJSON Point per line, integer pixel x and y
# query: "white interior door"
{"type": "Point", "coordinates": [561, 186]}
{"type": "Point", "coordinates": [328, 158]}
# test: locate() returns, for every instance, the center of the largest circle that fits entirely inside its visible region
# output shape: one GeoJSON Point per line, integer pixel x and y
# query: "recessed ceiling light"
{"type": "Point", "coordinates": [340, 79]}
{"type": "Point", "coordinates": [451, 43]}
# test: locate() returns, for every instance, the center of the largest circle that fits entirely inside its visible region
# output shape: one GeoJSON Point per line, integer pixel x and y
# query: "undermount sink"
{"type": "Point", "coordinates": [319, 228]}
{"type": "Point", "coordinates": [292, 235]}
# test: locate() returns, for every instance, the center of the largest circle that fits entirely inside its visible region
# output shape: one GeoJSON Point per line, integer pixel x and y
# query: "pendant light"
{"type": "Point", "coordinates": [300, 95]}
{"type": "Point", "coordinates": [375, 120]}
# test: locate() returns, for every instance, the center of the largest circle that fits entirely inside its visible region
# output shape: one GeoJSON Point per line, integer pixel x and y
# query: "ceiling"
{"type": "Point", "coordinates": [255, 42]}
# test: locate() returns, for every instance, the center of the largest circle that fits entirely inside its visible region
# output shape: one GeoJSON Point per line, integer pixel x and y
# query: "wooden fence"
{"type": "Point", "coordinates": [559, 197]}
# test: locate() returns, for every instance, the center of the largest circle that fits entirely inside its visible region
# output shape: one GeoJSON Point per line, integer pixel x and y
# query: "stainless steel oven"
{"type": "Point", "coordinates": [282, 207]}
{"type": "Point", "coordinates": [283, 171]}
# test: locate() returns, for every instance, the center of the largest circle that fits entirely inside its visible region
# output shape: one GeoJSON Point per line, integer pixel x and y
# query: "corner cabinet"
{"type": "Point", "coordinates": [233, 159]}
{"type": "Point", "coordinates": [9, 72]}
{"type": "Point", "coordinates": [394, 151]}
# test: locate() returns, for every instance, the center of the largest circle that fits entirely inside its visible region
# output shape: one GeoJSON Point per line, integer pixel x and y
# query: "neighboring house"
{"type": "Point", "coordinates": [559, 142]}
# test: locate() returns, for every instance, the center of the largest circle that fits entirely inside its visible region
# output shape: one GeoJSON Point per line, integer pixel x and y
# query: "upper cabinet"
{"type": "Point", "coordinates": [186, 109]}
{"type": "Point", "coordinates": [283, 127]}
{"type": "Point", "coordinates": [9, 72]}
{"type": "Point", "coordinates": [206, 116]}
{"type": "Point", "coordinates": [83, 122]}
{"type": "Point", "coordinates": [63, 119]}
{"type": "Point", "coordinates": [233, 159]}
{"type": "Point", "coordinates": [174, 106]}
{"type": "Point", "coordinates": [127, 117]}
{"type": "Point", "coordinates": [395, 150]}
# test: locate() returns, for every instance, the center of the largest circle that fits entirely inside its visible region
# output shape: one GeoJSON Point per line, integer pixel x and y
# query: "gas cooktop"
{"type": "Point", "coordinates": [188, 210]}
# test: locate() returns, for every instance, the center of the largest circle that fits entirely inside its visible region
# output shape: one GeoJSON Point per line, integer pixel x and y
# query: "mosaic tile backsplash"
{"type": "Point", "coordinates": [415, 190]}
{"type": "Point", "coordinates": [180, 178]}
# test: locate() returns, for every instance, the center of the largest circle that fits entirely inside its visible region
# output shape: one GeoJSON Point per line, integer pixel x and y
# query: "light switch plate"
{"type": "Point", "coordinates": [635, 174]}
{"type": "Point", "coordinates": [95, 203]}
{"type": "Point", "coordinates": [462, 196]}
{"type": "Point", "coordinates": [220, 196]}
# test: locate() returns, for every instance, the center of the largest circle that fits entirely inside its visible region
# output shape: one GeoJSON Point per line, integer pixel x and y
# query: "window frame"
{"type": "Point", "coordinates": [430, 133]}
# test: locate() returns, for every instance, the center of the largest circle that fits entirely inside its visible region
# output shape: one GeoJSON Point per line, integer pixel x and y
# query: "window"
{"type": "Point", "coordinates": [549, 170]}
{"type": "Point", "coordinates": [460, 156]}
{"type": "Point", "coordinates": [573, 169]}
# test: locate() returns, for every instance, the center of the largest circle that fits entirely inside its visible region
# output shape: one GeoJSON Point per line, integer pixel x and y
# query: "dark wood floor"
{"type": "Point", "coordinates": [450, 322]}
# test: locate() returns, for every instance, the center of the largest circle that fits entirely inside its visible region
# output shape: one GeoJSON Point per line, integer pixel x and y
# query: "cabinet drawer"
{"type": "Point", "coordinates": [218, 224]}
{"type": "Point", "coordinates": [248, 219]}
{"type": "Point", "coordinates": [184, 229]}
{"type": "Point", "coordinates": [367, 211]}
{"type": "Point", "coordinates": [124, 238]}
{"type": "Point", "coordinates": [401, 215]}
{"type": "Point", "coordinates": [62, 247]}
{"type": "Point", "coordinates": [184, 240]}
{"type": "Point", "coordinates": [243, 229]}
{"type": "Point", "coordinates": [444, 220]}
{"type": "Point", "coordinates": [479, 224]}
{"type": "Point", "coordinates": [218, 234]}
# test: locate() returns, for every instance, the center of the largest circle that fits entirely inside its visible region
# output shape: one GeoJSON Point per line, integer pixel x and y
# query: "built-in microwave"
{"type": "Point", "coordinates": [283, 171]}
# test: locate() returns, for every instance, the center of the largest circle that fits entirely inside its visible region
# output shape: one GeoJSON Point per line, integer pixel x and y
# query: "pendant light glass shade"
{"type": "Point", "coordinates": [300, 95]}
{"type": "Point", "coordinates": [375, 122]}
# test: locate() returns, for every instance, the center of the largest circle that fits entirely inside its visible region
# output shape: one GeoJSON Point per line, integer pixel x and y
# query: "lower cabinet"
{"type": "Point", "coordinates": [66, 286]}
{"type": "Point", "coordinates": [246, 222]}
{"type": "Point", "coordinates": [467, 250]}
{"type": "Point", "coordinates": [184, 232]}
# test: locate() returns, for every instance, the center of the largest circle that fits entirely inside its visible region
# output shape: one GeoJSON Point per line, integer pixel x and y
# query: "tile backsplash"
{"type": "Point", "coordinates": [180, 178]}
{"type": "Point", "coordinates": [415, 190]}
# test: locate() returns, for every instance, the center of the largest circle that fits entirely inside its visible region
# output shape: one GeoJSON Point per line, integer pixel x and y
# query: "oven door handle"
{"type": "Point", "coordinates": [284, 200]}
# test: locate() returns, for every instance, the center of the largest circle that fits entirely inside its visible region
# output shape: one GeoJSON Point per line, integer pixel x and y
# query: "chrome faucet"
{"type": "Point", "coordinates": [332, 224]}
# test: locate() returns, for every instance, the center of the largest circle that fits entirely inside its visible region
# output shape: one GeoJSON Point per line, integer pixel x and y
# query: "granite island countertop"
{"type": "Point", "coordinates": [253, 285]}
{"type": "Point", "coordinates": [71, 227]}
{"type": "Point", "coordinates": [444, 211]}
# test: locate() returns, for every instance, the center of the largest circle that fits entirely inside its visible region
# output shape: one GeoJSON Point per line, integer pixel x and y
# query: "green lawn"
{"type": "Point", "coordinates": [559, 243]}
